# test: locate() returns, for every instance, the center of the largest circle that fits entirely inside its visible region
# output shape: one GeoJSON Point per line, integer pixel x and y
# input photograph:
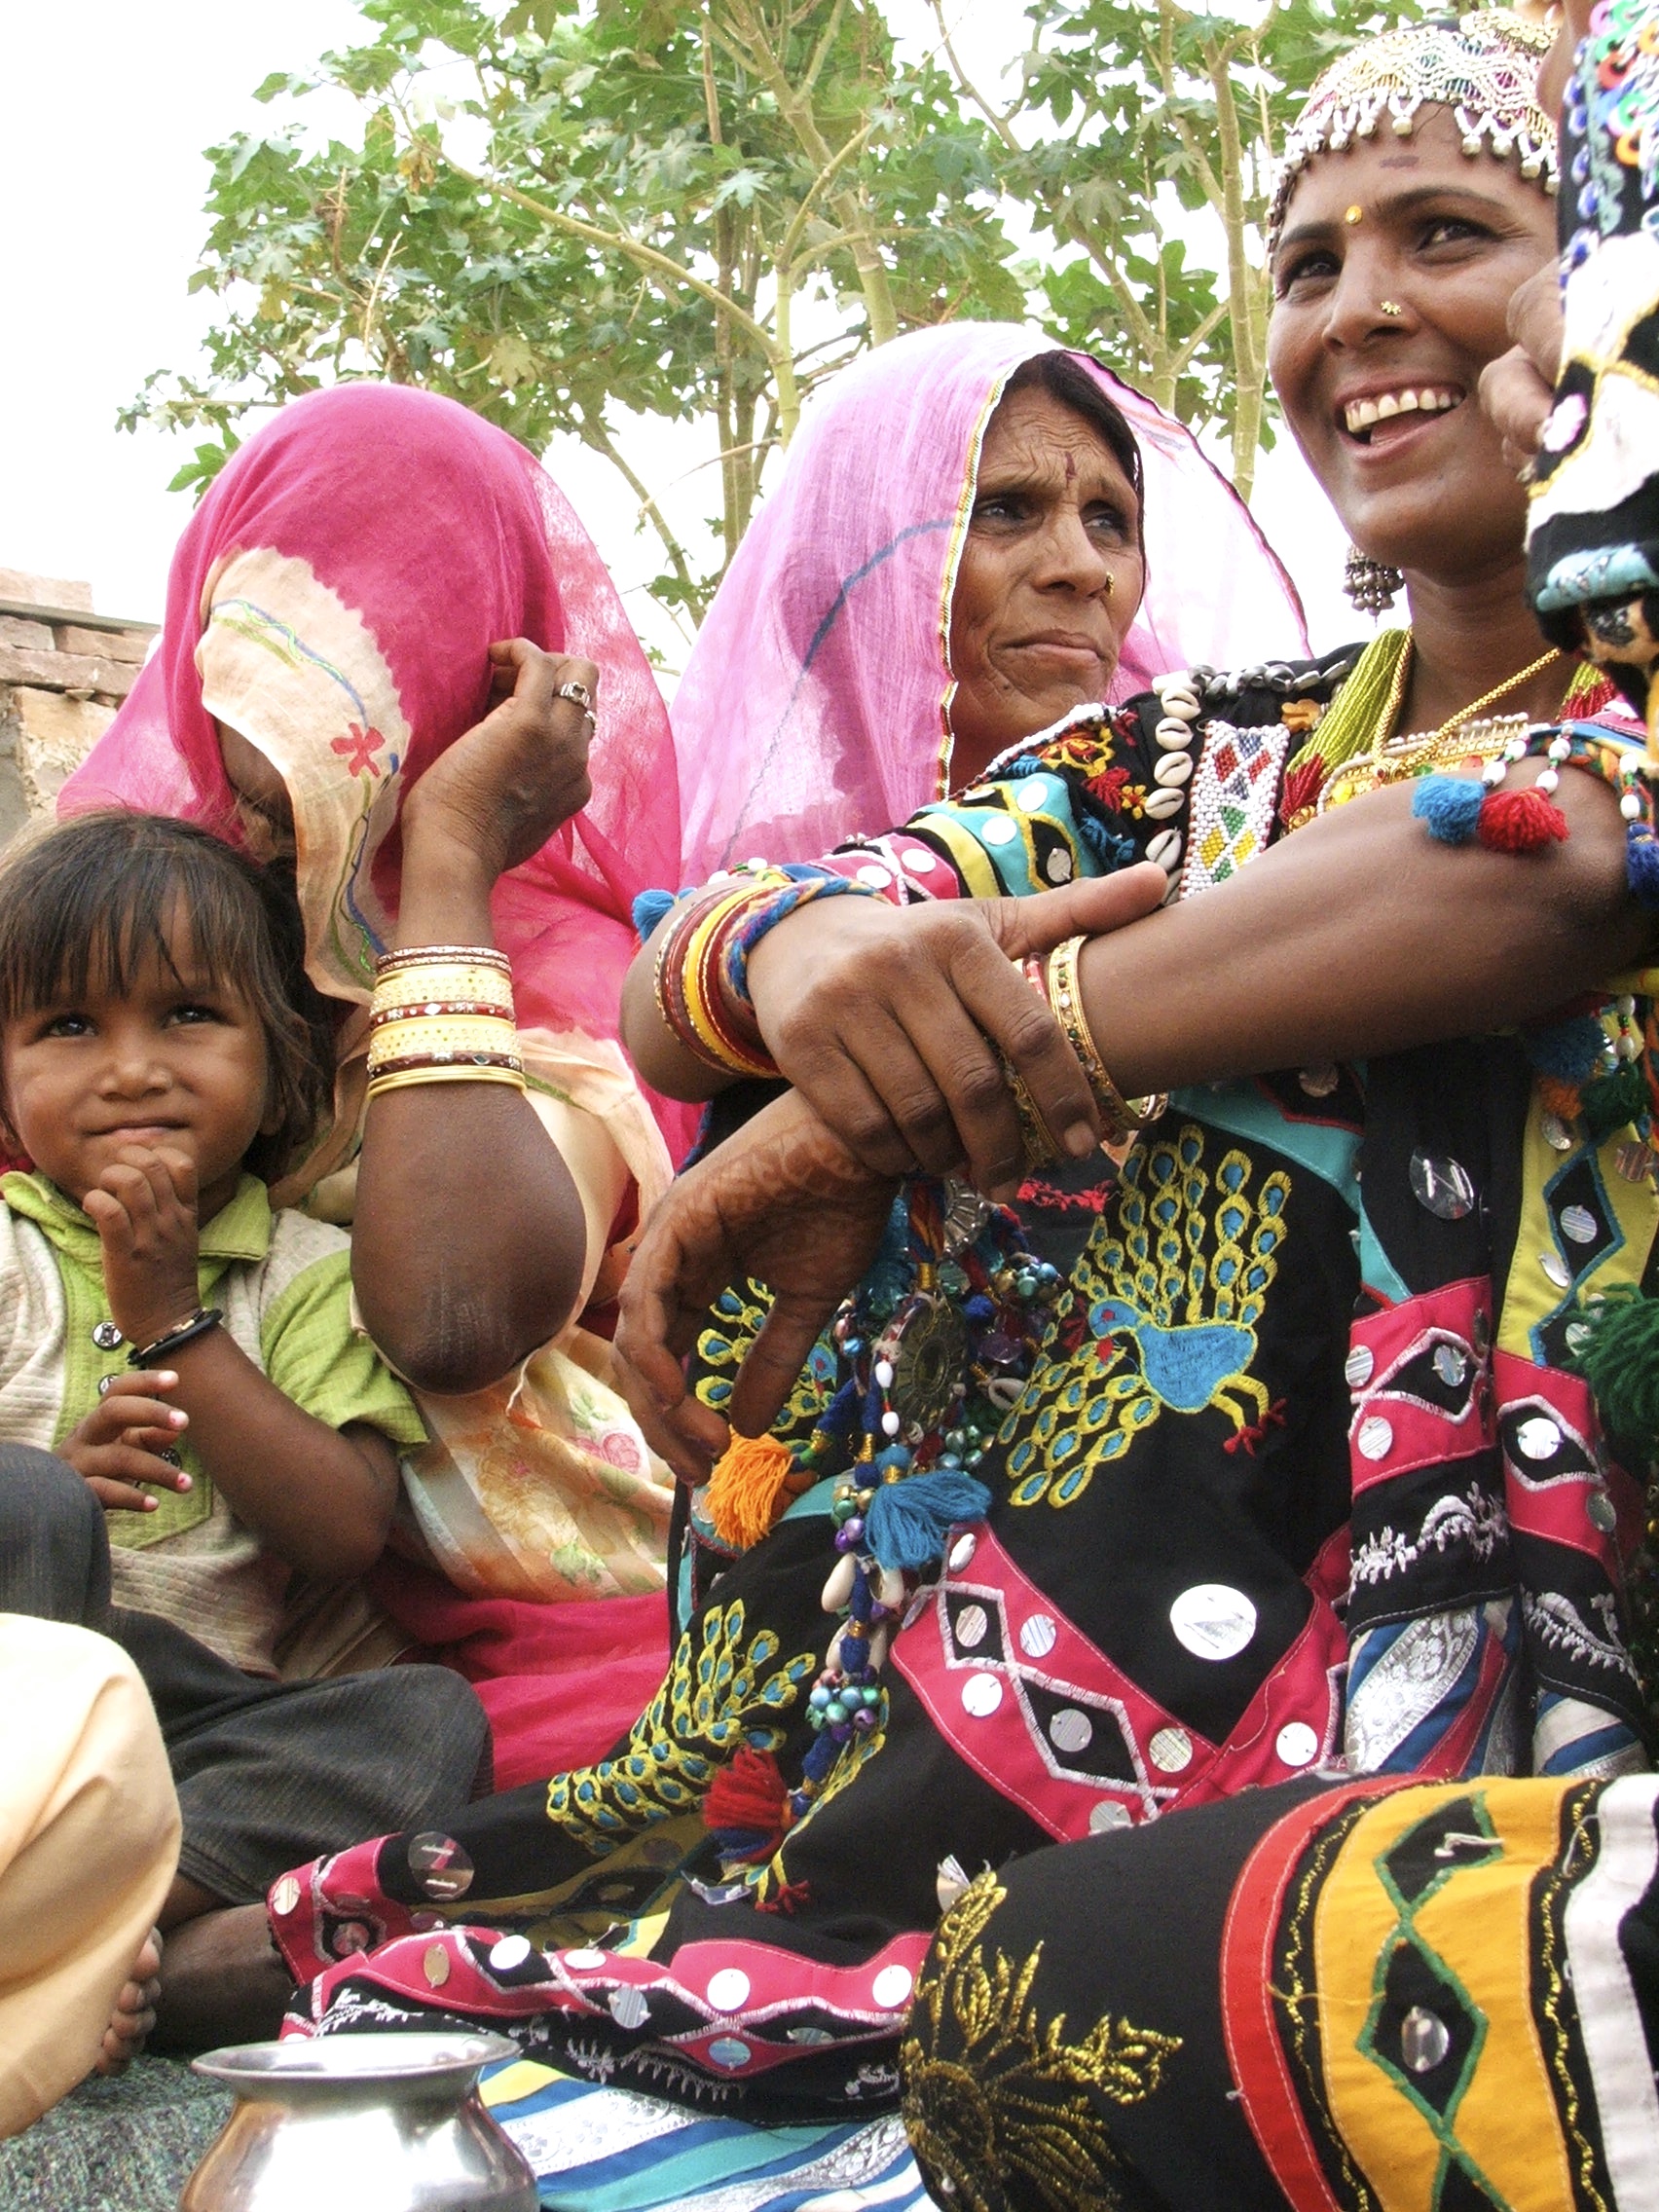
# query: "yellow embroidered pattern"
{"type": "Point", "coordinates": [1172, 1283]}
{"type": "Point", "coordinates": [721, 1347]}
{"type": "Point", "coordinates": [721, 1693]}
{"type": "Point", "coordinates": [1012, 2105]}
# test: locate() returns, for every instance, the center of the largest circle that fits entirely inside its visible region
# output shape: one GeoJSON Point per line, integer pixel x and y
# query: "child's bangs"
{"type": "Point", "coordinates": [87, 919]}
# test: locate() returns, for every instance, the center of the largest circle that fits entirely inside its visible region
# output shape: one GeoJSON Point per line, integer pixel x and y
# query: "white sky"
{"type": "Point", "coordinates": [104, 110]}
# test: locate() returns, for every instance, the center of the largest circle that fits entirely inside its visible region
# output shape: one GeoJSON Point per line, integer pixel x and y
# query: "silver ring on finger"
{"type": "Point", "coordinates": [579, 695]}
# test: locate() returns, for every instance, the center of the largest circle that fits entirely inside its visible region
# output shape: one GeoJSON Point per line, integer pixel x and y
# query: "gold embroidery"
{"type": "Point", "coordinates": [1173, 1323]}
{"type": "Point", "coordinates": [1551, 1891]}
{"type": "Point", "coordinates": [1015, 2102]}
{"type": "Point", "coordinates": [717, 1696]}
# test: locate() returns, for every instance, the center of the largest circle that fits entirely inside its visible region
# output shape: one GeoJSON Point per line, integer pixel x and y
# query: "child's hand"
{"type": "Point", "coordinates": [121, 1441]}
{"type": "Point", "coordinates": [144, 1209]}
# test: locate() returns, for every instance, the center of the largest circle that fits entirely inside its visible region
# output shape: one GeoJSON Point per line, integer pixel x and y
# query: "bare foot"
{"type": "Point", "coordinates": [135, 2012]}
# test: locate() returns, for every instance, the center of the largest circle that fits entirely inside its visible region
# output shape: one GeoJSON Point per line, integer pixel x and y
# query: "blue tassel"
{"type": "Point", "coordinates": [649, 909]}
{"type": "Point", "coordinates": [1568, 1050]}
{"type": "Point", "coordinates": [842, 1409]}
{"type": "Point", "coordinates": [1449, 805]}
{"type": "Point", "coordinates": [977, 1310]}
{"type": "Point", "coordinates": [861, 1600]}
{"type": "Point", "coordinates": [1641, 862]}
{"type": "Point", "coordinates": [821, 1755]}
{"type": "Point", "coordinates": [907, 1522]}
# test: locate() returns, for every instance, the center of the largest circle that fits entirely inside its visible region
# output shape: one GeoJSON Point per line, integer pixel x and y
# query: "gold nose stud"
{"type": "Point", "coordinates": [1390, 307]}
{"type": "Point", "coordinates": [1353, 214]}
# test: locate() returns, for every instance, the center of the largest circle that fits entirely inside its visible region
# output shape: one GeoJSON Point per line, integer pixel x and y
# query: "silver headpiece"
{"type": "Point", "coordinates": [1483, 66]}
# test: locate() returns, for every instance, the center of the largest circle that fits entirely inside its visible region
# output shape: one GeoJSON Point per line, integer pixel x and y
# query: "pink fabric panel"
{"type": "Point", "coordinates": [560, 1684]}
{"type": "Point", "coordinates": [814, 702]}
{"type": "Point", "coordinates": [444, 534]}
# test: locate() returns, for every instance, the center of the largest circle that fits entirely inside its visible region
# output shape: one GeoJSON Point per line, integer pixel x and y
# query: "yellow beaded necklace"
{"type": "Point", "coordinates": [1355, 737]}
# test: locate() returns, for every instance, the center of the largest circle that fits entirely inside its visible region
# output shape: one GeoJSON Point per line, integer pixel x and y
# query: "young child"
{"type": "Point", "coordinates": [190, 1359]}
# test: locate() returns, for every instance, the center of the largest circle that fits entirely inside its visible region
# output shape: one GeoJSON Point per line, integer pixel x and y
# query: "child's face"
{"type": "Point", "coordinates": [181, 1069]}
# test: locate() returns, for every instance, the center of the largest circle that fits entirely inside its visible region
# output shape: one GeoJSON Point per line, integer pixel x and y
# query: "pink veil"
{"type": "Point", "coordinates": [371, 541]}
{"type": "Point", "coordinates": [815, 701]}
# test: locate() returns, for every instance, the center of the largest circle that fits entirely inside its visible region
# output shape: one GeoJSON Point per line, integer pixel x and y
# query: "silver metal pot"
{"type": "Point", "coordinates": [365, 2123]}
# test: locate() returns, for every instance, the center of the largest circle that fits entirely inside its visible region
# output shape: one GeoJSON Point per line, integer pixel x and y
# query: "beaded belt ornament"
{"type": "Point", "coordinates": [934, 1348]}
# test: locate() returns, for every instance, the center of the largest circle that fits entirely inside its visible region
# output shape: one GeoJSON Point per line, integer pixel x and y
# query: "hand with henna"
{"type": "Point", "coordinates": [782, 1200]}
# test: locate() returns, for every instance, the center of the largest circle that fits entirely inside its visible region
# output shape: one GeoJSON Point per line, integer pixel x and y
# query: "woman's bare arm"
{"type": "Point", "coordinates": [469, 1239]}
{"type": "Point", "coordinates": [1359, 935]}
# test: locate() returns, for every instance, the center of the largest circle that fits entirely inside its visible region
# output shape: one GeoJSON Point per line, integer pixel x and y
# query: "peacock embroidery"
{"type": "Point", "coordinates": [1169, 1290]}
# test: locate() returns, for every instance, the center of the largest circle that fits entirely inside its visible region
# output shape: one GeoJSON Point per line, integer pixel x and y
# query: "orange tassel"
{"type": "Point", "coordinates": [748, 1489]}
{"type": "Point", "coordinates": [1559, 1098]}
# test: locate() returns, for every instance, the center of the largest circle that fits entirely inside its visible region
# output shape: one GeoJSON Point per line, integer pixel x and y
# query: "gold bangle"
{"type": "Point", "coordinates": [441, 1009]}
{"type": "Point", "coordinates": [406, 1078]}
{"type": "Point", "coordinates": [464, 1033]}
{"type": "Point", "coordinates": [1041, 1150]}
{"type": "Point", "coordinates": [420, 955]}
{"type": "Point", "coordinates": [1122, 1116]}
{"type": "Point", "coordinates": [443, 980]}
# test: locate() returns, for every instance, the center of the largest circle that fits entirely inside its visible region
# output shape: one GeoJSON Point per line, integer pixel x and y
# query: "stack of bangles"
{"type": "Point", "coordinates": [1055, 979]}
{"type": "Point", "coordinates": [701, 973]}
{"type": "Point", "coordinates": [443, 1013]}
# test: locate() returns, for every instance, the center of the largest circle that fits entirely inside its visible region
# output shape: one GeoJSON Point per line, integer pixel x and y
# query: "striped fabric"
{"type": "Point", "coordinates": [598, 2149]}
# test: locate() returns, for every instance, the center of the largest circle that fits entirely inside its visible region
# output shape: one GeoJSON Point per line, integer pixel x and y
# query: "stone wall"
{"type": "Point", "coordinates": [63, 670]}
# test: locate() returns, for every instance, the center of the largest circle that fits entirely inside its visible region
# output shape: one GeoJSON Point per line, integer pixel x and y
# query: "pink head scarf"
{"type": "Point", "coordinates": [815, 701]}
{"type": "Point", "coordinates": [333, 600]}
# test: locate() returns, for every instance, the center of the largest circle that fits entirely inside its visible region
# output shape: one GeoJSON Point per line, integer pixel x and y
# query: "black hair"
{"type": "Point", "coordinates": [1064, 378]}
{"type": "Point", "coordinates": [92, 900]}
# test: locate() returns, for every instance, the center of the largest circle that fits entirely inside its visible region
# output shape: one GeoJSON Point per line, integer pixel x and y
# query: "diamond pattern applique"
{"type": "Point", "coordinates": [1235, 785]}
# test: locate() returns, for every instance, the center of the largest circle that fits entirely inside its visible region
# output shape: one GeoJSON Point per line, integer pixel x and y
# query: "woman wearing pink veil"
{"type": "Point", "coordinates": [817, 703]}
{"type": "Point", "coordinates": [384, 626]}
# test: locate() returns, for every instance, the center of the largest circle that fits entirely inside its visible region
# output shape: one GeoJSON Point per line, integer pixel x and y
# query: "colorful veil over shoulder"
{"type": "Point", "coordinates": [333, 600]}
{"type": "Point", "coordinates": [815, 701]}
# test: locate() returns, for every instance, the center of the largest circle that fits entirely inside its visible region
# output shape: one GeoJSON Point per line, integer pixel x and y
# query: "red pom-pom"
{"type": "Point", "coordinates": [748, 1793]}
{"type": "Point", "coordinates": [1520, 822]}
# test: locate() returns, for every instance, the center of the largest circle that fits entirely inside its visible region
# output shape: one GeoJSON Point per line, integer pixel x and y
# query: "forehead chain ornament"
{"type": "Point", "coordinates": [1484, 67]}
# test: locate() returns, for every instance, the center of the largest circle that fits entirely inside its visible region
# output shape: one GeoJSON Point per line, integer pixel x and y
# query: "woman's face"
{"type": "Point", "coordinates": [1050, 581]}
{"type": "Point", "coordinates": [1385, 405]}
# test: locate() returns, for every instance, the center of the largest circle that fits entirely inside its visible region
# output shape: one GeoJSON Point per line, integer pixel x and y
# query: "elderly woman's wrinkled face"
{"type": "Point", "coordinates": [1049, 579]}
{"type": "Point", "coordinates": [1392, 280]}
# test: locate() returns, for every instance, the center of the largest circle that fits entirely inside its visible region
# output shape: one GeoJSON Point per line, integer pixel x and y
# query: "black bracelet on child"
{"type": "Point", "coordinates": [173, 1340]}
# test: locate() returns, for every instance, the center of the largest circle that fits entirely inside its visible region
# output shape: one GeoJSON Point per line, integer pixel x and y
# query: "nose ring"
{"type": "Point", "coordinates": [1390, 307]}
{"type": "Point", "coordinates": [1111, 583]}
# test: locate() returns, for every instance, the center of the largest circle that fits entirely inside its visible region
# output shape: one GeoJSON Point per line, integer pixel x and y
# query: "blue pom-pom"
{"type": "Point", "coordinates": [1641, 862]}
{"type": "Point", "coordinates": [977, 1308]}
{"type": "Point", "coordinates": [1449, 806]}
{"type": "Point", "coordinates": [1568, 1050]}
{"type": "Point", "coordinates": [649, 909]}
{"type": "Point", "coordinates": [907, 1522]}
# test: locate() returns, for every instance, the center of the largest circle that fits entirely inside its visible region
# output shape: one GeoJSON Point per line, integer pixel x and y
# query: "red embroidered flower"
{"type": "Point", "coordinates": [1107, 787]}
{"type": "Point", "coordinates": [358, 748]}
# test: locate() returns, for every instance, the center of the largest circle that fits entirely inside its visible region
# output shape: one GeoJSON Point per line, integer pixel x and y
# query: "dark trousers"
{"type": "Point", "coordinates": [268, 1774]}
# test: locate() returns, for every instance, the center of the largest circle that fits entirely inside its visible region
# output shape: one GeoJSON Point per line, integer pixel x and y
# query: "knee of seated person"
{"type": "Point", "coordinates": [37, 1489]}
{"type": "Point", "coordinates": [452, 1724]}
